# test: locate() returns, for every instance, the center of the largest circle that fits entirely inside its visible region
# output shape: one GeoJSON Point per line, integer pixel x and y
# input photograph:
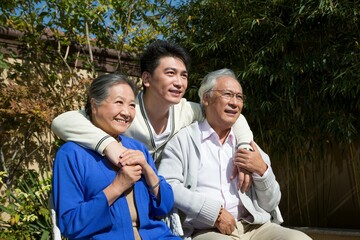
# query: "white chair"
{"type": "Point", "coordinates": [55, 230]}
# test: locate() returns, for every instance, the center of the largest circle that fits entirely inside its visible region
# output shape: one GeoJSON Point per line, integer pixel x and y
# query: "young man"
{"type": "Point", "coordinates": [161, 110]}
{"type": "Point", "coordinates": [198, 163]}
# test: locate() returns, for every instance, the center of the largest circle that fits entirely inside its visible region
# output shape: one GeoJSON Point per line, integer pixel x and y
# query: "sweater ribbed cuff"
{"type": "Point", "coordinates": [263, 183]}
{"type": "Point", "coordinates": [102, 144]}
{"type": "Point", "coordinates": [209, 212]}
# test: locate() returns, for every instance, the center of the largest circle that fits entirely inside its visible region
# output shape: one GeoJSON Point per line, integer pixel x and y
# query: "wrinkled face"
{"type": "Point", "coordinates": [115, 114]}
{"type": "Point", "coordinates": [168, 81]}
{"type": "Point", "coordinates": [223, 104]}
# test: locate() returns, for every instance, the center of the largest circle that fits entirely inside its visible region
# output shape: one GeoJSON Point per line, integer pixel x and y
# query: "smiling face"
{"type": "Point", "coordinates": [115, 114]}
{"type": "Point", "coordinates": [168, 82]}
{"type": "Point", "coordinates": [222, 111]}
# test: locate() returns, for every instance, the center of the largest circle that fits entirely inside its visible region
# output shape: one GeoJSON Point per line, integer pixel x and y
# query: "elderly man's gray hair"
{"type": "Point", "coordinates": [209, 81]}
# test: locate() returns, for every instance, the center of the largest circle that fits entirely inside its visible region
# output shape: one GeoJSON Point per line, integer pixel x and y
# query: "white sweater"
{"type": "Point", "coordinates": [75, 126]}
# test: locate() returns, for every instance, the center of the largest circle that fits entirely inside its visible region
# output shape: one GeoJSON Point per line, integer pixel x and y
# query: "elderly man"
{"type": "Point", "coordinates": [198, 163]}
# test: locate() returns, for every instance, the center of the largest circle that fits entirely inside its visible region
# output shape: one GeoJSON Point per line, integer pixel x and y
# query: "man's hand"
{"type": "Point", "coordinates": [250, 161]}
{"type": "Point", "coordinates": [225, 223]}
{"type": "Point", "coordinates": [244, 178]}
{"type": "Point", "coordinates": [113, 152]}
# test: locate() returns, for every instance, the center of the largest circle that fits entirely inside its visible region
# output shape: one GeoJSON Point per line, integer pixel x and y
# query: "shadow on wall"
{"type": "Point", "coordinates": [331, 234]}
{"type": "Point", "coordinates": [322, 192]}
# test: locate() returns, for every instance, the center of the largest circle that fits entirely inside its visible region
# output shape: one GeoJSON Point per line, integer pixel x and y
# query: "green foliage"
{"type": "Point", "coordinates": [41, 79]}
{"type": "Point", "coordinates": [301, 59]}
{"type": "Point", "coordinates": [3, 64]}
{"type": "Point", "coordinates": [299, 65]}
{"type": "Point", "coordinates": [25, 213]}
{"type": "Point", "coordinates": [298, 62]}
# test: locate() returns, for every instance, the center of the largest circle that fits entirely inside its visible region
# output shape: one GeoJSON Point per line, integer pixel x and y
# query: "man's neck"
{"type": "Point", "coordinates": [157, 112]}
{"type": "Point", "coordinates": [222, 133]}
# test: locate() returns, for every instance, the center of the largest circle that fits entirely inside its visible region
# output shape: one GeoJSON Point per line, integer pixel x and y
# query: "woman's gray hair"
{"type": "Point", "coordinates": [99, 88]}
{"type": "Point", "coordinates": [209, 81]}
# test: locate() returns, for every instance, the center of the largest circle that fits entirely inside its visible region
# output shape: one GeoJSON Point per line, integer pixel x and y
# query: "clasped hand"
{"type": "Point", "coordinates": [132, 163]}
{"type": "Point", "coordinates": [250, 161]}
{"type": "Point", "coordinates": [247, 162]}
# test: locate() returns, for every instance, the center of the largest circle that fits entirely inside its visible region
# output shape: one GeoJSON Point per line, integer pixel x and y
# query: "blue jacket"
{"type": "Point", "coordinates": [79, 177]}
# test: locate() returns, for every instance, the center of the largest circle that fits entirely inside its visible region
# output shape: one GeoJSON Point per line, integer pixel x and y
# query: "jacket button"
{"type": "Point", "coordinates": [188, 186]}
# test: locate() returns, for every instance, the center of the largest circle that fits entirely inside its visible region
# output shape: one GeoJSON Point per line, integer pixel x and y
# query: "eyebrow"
{"type": "Point", "coordinates": [175, 69]}
{"type": "Point", "coordinates": [123, 98]}
{"type": "Point", "coordinates": [229, 90]}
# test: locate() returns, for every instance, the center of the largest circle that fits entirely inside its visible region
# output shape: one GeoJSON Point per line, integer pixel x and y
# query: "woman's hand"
{"type": "Point", "coordinates": [125, 178]}
{"type": "Point", "coordinates": [135, 157]}
{"type": "Point", "coordinates": [132, 157]}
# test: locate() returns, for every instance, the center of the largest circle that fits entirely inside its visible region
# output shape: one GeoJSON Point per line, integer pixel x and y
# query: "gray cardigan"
{"type": "Point", "coordinates": [179, 165]}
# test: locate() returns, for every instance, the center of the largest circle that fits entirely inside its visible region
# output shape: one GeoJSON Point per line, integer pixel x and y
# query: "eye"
{"type": "Point", "coordinates": [119, 102]}
{"type": "Point", "coordinates": [170, 73]}
{"type": "Point", "coordinates": [228, 94]}
{"type": "Point", "coordinates": [239, 97]}
{"type": "Point", "coordinates": [133, 105]}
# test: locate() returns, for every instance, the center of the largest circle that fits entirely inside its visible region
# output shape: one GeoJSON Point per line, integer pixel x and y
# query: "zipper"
{"type": "Point", "coordinates": [143, 113]}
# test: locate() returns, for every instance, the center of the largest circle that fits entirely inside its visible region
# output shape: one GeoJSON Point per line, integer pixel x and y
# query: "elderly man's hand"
{"type": "Point", "coordinates": [244, 178]}
{"type": "Point", "coordinates": [250, 160]}
{"type": "Point", "coordinates": [225, 223]}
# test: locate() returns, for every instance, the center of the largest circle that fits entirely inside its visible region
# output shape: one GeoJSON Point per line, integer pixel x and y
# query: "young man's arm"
{"type": "Point", "coordinates": [243, 133]}
{"type": "Point", "coordinates": [75, 126]}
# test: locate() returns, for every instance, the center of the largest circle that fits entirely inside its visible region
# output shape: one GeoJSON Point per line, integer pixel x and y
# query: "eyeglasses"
{"type": "Point", "coordinates": [227, 94]}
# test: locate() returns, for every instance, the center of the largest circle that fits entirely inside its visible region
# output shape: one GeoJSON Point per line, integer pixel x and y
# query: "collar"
{"type": "Point", "coordinates": [208, 132]}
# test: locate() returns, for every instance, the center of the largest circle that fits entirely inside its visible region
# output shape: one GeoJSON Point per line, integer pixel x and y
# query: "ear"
{"type": "Point", "coordinates": [93, 106]}
{"type": "Point", "coordinates": [205, 99]}
{"type": "Point", "coordinates": [146, 79]}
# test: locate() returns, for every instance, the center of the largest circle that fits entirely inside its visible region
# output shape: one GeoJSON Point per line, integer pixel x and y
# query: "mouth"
{"type": "Point", "coordinates": [174, 91]}
{"type": "Point", "coordinates": [232, 112]}
{"type": "Point", "coordinates": [123, 121]}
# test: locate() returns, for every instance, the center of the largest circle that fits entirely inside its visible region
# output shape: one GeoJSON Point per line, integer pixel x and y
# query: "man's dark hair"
{"type": "Point", "coordinates": [150, 58]}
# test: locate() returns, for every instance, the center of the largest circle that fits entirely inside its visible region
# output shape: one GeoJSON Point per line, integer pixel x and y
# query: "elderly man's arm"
{"type": "Point", "coordinates": [258, 163]}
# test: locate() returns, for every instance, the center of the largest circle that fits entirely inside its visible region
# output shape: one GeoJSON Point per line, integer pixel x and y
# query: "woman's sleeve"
{"type": "Point", "coordinates": [75, 126]}
{"type": "Point", "coordinates": [166, 203]}
{"type": "Point", "coordinates": [77, 218]}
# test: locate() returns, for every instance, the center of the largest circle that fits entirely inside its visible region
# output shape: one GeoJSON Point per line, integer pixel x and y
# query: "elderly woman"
{"type": "Point", "coordinates": [95, 199]}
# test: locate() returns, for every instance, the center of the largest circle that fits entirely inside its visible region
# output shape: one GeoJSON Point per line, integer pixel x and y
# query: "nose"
{"type": "Point", "coordinates": [233, 99]}
{"type": "Point", "coordinates": [179, 80]}
{"type": "Point", "coordinates": [125, 112]}
{"type": "Point", "coordinates": [234, 102]}
{"type": "Point", "coordinates": [236, 99]}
